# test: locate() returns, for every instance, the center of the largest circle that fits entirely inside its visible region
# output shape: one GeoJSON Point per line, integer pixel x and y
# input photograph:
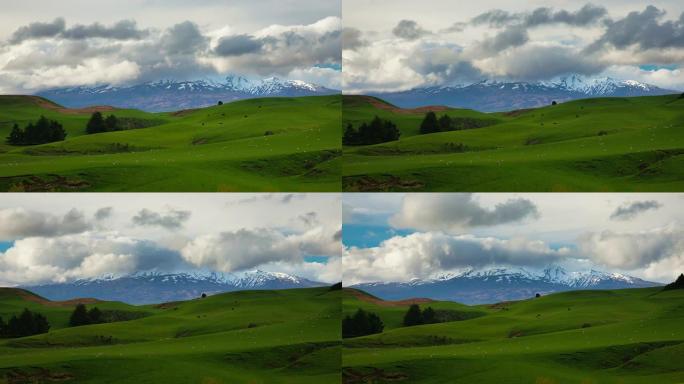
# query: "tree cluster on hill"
{"type": "Point", "coordinates": [361, 324]}
{"type": "Point", "coordinates": [446, 123]}
{"type": "Point", "coordinates": [414, 316]}
{"type": "Point", "coordinates": [82, 316]}
{"type": "Point", "coordinates": [378, 131]}
{"type": "Point", "coordinates": [677, 284]}
{"type": "Point", "coordinates": [41, 132]}
{"type": "Point", "coordinates": [99, 124]}
{"type": "Point", "coordinates": [26, 324]}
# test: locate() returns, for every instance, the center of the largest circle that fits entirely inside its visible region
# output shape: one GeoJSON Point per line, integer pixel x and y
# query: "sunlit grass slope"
{"type": "Point", "coordinates": [285, 336]}
{"type": "Point", "coordinates": [270, 144]}
{"type": "Point", "coordinates": [614, 336]}
{"type": "Point", "coordinates": [606, 144]}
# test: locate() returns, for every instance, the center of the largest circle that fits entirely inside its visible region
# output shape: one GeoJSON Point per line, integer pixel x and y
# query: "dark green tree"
{"type": "Point", "coordinates": [413, 316]}
{"type": "Point", "coordinates": [94, 316]}
{"type": "Point", "coordinates": [111, 123]}
{"type": "Point", "coordinates": [40, 323]}
{"type": "Point", "coordinates": [362, 323]}
{"type": "Point", "coordinates": [445, 123]}
{"type": "Point", "coordinates": [79, 316]}
{"type": "Point", "coordinates": [16, 136]}
{"type": "Point", "coordinates": [350, 136]}
{"type": "Point", "coordinates": [677, 284]}
{"type": "Point", "coordinates": [96, 124]}
{"type": "Point", "coordinates": [429, 124]}
{"type": "Point", "coordinates": [26, 324]}
{"type": "Point", "coordinates": [429, 316]}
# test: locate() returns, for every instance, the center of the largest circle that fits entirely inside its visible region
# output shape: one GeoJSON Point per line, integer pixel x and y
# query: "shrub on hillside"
{"type": "Point", "coordinates": [41, 132]}
{"type": "Point", "coordinates": [361, 324]}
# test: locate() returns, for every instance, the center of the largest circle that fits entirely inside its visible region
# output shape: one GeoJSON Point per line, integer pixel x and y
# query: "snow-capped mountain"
{"type": "Point", "coordinates": [153, 287]}
{"type": "Point", "coordinates": [494, 96]}
{"type": "Point", "coordinates": [480, 286]}
{"type": "Point", "coordinates": [169, 95]}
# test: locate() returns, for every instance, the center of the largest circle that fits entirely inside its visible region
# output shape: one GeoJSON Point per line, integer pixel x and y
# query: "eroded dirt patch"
{"type": "Point", "coordinates": [371, 375]}
{"type": "Point", "coordinates": [39, 375]}
{"type": "Point", "coordinates": [379, 104]}
{"type": "Point", "coordinates": [29, 296]}
{"type": "Point", "coordinates": [47, 104]}
{"type": "Point", "coordinates": [384, 183]}
{"type": "Point", "coordinates": [384, 303]}
{"type": "Point", "coordinates": [47, 183]}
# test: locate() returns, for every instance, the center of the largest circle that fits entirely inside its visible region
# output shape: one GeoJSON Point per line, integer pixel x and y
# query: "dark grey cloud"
{"type": "Point", "coordinates": [458, 211]}
{"type": "Point", "coordinates": [103, 213]}
{"type": "Point", "coordinates": [446, 65]}
{"type": "Point", "coordinates": [630, 210]}
{"type": "Point", "coordinates": [21, 223]}
{"type": "Point", "coordinates": [38, 30]}
{"type": "Point", "coordinates": [533, 63]}
{"type": "Point", "coordinates": [352, 39]}
{"type": "Point", "coordinates": [183, 39]}
{"type": "Point", "coordinates": [123, 30]}
{"type": "Point", "coordinates": [173, 219]}
{"type": "Point", "coordinates": [242, 249]}
{"type": "Point", "coordinates": [644, 30]}
{"type": "Point", "coordinates": [337, 236]}
{"type": "Point", "coordinates": [409, 30]}
{"type": "Point", "coordinates": [238, 45]}
{"type": "Point", "coordinates": [634, 249]}
{"type": "Point", "coordinates": [309, 218]}
{"type": "Point", "coordinates": [513, 36]}
{"type": "Point", "coordinates": [588, 14]}
{"type": "Point", "coordinates": [496, 18]}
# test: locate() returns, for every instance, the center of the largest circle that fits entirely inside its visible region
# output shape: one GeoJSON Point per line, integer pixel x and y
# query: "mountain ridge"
{"type": "Point", "coordinates": [173, 95]}
{"type": "Point", "coordinates": [152, 287]}
{"type": "Point", "coordinates": [485, 286]}
{"type": "Point", "coordinates": [498, 96]}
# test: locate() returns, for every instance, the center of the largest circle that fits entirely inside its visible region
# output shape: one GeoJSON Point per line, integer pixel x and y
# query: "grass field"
{"type": "Point", "coordinates": [221, 148]}
{"type": "Point", "coordinates": [585, 337]}
{"type": "Point", "coordinates": [251, 337]}
{"type": "Point", "coordinates": [607, 144]}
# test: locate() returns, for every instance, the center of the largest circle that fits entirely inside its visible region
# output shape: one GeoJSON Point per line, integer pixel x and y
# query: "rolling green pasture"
{"type": "Point", "coordinates": [585, 337]}
{"type": "Point", "coordinates": [269, 144]}
{"type": "Point", "coordinates": [251, 337]}
{"type": "Point", "coordinates": [605, 144]}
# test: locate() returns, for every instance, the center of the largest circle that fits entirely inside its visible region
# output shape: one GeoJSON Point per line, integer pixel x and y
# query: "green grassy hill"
{"type": "Point", "coordinates": [619, 336]}
{"type": "Point", "coordinates": [288, 336]}
{"type": "Point", "coordinates": [607, 144]}
{"type": "Point", "coordinates": [221, 148]}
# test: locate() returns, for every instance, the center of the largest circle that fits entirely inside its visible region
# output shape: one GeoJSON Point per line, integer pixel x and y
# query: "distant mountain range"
{"type": "Point", "coordinates": [495, 96]}
{"type": "Point", "coordinates": [168, 95]}
{"type": "Point", "coordinates": [501, 284]}
{"type": "Point", "coordinates": [149, 288]}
